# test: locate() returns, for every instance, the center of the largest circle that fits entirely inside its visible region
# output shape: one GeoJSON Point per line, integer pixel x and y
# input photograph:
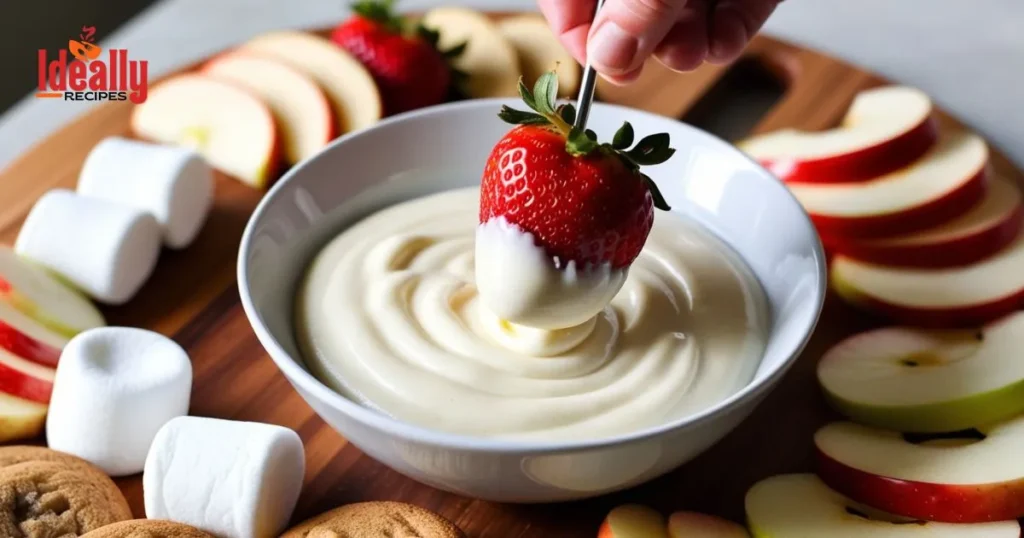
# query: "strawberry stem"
{"type": "Point", "coordinates": [650, 150]}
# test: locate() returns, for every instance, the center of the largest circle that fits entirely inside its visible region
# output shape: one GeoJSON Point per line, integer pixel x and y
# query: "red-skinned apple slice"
{"type": "Point", "coordinates": [987, 227]}
{"type": "Point", "coordinates": [954, 481]}
{"type": "Point", "coordinates": [801, 506]}
{"type": "Point", "coordinates": [924, 381]}
{"type": "Point", "coordinates": [25, 379]}
{"type": "Point", "coordinates": [348, 84]}
{"type": "Point", "coordinates": [26, 338]}
{"type": "Point", "coordinates": [230, 127]}
{"type": "Point", "coordinates": [20, 418]}
{"type": "Point", "coordinates": [942, 185]}
{"type": "Point", "coordinates": [884, 130]}
{"type": "Point", "coordinates": [633, 521]}
{"type": "Point", "coordinates": [697, 525]}
{"type": "Point", "coordinates": [37, 295]}
{"type": "Point", "coordinates": [951, 297]}
{"type": "Point", "coordinates": [303, 112]}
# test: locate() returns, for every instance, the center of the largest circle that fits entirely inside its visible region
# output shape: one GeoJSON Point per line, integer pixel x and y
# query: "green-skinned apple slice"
{"type": "Point", "coordinates": [801, 506]}
{"type": "Point", "coordinates": [884, 130]}
{"type": "Point", "coordinates": [928, 381]}
{"type": "Point", "coordinates": [951, 297]}
{"type": "Point", "coordinates": [32, 291]}
{"type": "Point", "coordinates": [943, 184]}
{"type": "Point", "coordinates": [954, 480]}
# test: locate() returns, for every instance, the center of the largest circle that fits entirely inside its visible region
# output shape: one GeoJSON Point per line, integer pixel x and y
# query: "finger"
{"type": "Point", "coordinates": [733, 24]}
{"type": "Point", "coordinates": [570, 21]}
{"type": "Point", "coordinates": [686, 45]}
{"type": "Point", "coordinates": [625, 79]}
{"type": "Point", "coordinates": [626, 32]}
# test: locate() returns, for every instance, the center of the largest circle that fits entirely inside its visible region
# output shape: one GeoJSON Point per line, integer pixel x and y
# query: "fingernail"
{"type": "Point", "coordinates": [612, 48]}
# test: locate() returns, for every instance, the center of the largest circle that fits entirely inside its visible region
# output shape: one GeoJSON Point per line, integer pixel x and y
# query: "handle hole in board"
{"type": "Point", "coordinates": [737, 101]}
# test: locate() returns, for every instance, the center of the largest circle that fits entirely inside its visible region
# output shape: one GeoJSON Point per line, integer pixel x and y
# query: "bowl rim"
{"type": "Point", "coordinates": [298, 375]}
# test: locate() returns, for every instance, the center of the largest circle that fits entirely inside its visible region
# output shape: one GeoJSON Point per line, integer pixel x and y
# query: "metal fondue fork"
{"type": "Point", "coordinates": [586, 97]}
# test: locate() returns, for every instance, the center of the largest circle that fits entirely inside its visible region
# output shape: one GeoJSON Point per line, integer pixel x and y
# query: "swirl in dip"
{"type": "Point", "coordinates": [389, 316]}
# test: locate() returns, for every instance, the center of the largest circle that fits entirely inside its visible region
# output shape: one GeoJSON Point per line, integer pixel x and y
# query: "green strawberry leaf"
{"type": "Point", "coordinates": [519, 117]}
{"type": "Point", "coordinates": [380, 12]}
{"type": "Point", "coordinates": [591, 134]}
{"type": "Point", "coordinates": [526, 96]}
{"type": "Point", "coordinates": [623, 137]}
{"type": "Point", "coordinates": [545, 92]}
{"type": "Point", "coordinates": [568, 113]}
{"type": "Point", "coordinates": [428, 34]}
{"type": "Point", "coordinates": [455, 51]}
{"type": "Point", "coordinates": [659, 200]}
{"type": "Point", "coordinates": [652, 149]}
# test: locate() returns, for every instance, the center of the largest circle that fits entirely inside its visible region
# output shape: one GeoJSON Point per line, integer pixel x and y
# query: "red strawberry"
{"type": "Point", "coordinates": [409, 69]}
{"type": "Point", "coordinates": [581, 200]}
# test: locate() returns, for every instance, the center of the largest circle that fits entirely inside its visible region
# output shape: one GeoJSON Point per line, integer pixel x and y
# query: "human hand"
{"type": "Point", "coordinates": [681, 34]}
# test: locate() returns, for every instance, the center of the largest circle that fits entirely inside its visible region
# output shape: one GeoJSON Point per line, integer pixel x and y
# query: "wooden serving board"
{"type": "Point", "coordinates": [192, 297]}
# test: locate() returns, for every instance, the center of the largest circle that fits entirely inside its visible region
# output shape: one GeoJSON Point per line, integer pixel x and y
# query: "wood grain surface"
{"type": "Point", "coordinates": [193, 298]}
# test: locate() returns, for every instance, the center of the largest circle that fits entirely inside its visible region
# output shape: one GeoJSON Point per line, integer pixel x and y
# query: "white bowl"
{"type": "Point", "coordinates": [445, 147]}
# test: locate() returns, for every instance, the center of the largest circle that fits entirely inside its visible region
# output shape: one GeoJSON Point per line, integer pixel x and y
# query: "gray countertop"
{"type": "Point", "coordinates": [968, 55]}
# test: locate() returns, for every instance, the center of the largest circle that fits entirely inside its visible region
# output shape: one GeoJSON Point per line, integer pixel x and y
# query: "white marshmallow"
{"type": "Point", "coordinates": [231, 479]}
{"type": "Point", "coordinates": [106, 249]}
{"type": "Point", "coordinates": [172, 183]}
{"type": "Point", "coordinates": [116, 387]}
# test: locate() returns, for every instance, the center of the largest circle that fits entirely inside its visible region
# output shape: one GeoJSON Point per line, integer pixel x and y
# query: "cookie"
{"type": "Point", "coordinates": [376, 520]}
{"type": "Point", "coordinates": [49, 499]}
{"type": "Point", "coordinates": [11, 455]}
{"type": "Point", "coordinates": [147, 528]}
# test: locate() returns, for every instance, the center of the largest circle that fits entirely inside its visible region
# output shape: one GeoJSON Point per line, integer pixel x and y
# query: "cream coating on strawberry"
{"type": "Point", "coordinates": [519, 281]}
{"type": "Point", "coordinates": [562, 216]}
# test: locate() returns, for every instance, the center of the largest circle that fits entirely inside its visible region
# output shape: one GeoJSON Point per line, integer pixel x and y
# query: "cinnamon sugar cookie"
{"type": "Point", "coordinates": [50, 499]}
{"type": "Point", "coordinates": [376, 520]}
{"type": "Point", "coordinates": [147, 528]}
{"type": "Point", "coordinates": [11, 455]}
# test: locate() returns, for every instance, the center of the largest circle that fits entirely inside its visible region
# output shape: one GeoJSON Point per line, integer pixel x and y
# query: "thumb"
{"type": "Point", "coordinates": [626, 32]}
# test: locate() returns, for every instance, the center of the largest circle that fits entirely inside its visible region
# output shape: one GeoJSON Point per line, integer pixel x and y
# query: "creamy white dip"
{"type": "Point", "coordinates": [389, 316]}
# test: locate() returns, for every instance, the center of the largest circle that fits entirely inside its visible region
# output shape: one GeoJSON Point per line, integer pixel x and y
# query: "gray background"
{"type": "Point", "coordinates": [969, 55]}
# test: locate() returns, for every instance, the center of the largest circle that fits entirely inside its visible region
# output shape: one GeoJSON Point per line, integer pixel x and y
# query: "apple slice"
{"type": "Point", "coordinates": [20, 419]}
{"type": "Point", "coordinates": [801, 506]}
{"type": "Point", "coordinates": [33, 292]}
{"type": "Point", "coordinates": [230, 127]}
{"type": "Point", "coordinates": [884, 130]}
{"type": "Point", "coordinates": [303, 112]}
{"type": "Point", "coordinates": [987, 227]}
{"type": "Point", "coordinates": [26, 338]}
{"type": "Point", "coordinates": [960, 296]}
{"type": "Point", "coordinates": [633, 521]}
{"type": "Point", "coordinates": [489, 59]}
{"type": "Point", "coordinates": [25, 379]}
{"type": "Point", "coordinates": [697, 525]}
{"type": "Point", "coordinates": [348, 85]}
{"type": "Point", "coordinates": [539, 51]}
{"type": "Point", "coordinates": [916, 380]}
{"type": "Point", "coordinates": [961, 481]}
{"type": "Point", "coordinates": [940, 186]}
